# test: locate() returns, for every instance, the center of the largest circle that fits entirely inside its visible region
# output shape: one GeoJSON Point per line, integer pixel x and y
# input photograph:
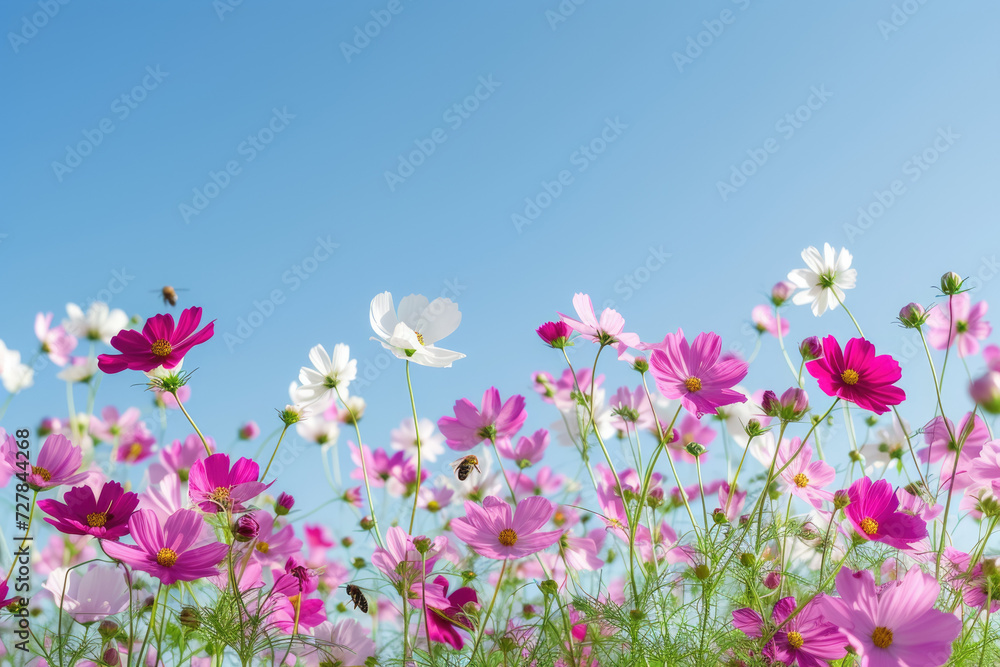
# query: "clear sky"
{"type": "Point", "coordinates": [225, 148]}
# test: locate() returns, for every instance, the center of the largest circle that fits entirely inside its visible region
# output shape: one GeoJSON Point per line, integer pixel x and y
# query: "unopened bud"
{"type": "Point", "coordinates": [702, 571]}
{"type": "Point", "coordinates": [841, 499]}
{"type": "Point", "coordinates": [246, 528]}
{"type": "Point", "coordinates": [781, 292]}
{"type": "Point", "coordinates": [190, 618]}
{"type": "Point", "coordinates": [549, 587]}
{"type": "Point", "coordinates": [811, 348]}
{"type": "Point", "coordinates": [951, 283]}
{"type": "Point", "coordinates": [111, 657]}
{"type": "Point", "coordinates": [640, 364]}
{"type": "Point", "coordinates": [985, 391]}
{"type": "Point", "coordinates": [912, 316]}
{"type": "Point", "coordinates": [346, 542]}
{"type": "Point", "coordinates": [107, 629]}
{"type": "Point", "coordinates": [359, 563]}
{"type": "Point", "coordinates": [748, 559]}
{"type": "Point", "coordinates": [695, 449]}
{"type": "Point", "coordinates": [283, 505]}
{"type": "Point", "coordinates": [367, 523]}
{"type": "Point", "coordinates": [772, 579]}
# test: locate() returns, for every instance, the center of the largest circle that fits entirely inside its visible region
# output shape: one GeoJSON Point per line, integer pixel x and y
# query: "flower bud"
{"type": "Point", "coordinates": [772, 579]}
{"type": "Point", "coordinates": [555, 334]}
{"type": "Point", "coordinates": [841, 499]}
{"type": "Point", "coordinates": [529, 611]}
{"type": "Point", "coordinates": [640, 364]}
{"type": "Point", "coordinates": [753, 428]}
{"type": "Point", "coordinates": [292, 414]}
{"type": "Point", "coordinates": [719, 516]}
{"type": "Point", "coordinates": [245, 528]}
{"type": "Point", "coordinates": [702, 571]}
{"type": "Point", "coordinates": [249, 431]}
{"type": "Point", "coordinates": [912, 316]}
{"type": "Point", "coordinates": [107, 629]}
{"type": "Point", "coordinates": [855, 456]}
{"type": "Point", "coordinates": [769, 404]}
{"type": "Point", "coordinates": [654, 498]}
{"type": "Point", "coordinates": [283, 504]}
{"type": "Point", "coordinates": [811, 348]}
{"type": "Point", "coordinates": [549, 587]}
{"type": "Point", "coordinates": [367, 523]}
{"type": "Point", "coordinates": [871, 420]}
{"type": "Point", "coordinates": [422, 544]}
{"type": "Point", "coordinates": [748, 559]}
{"type": "Point", "coordinates": [985, 391]}
{"type": "Point", "coordinates": [781, 292]}
{"type": "Point", "coordinates": [359, 563]}
{"type": "Point", "coordinates": [111, 657]}
{"type": "Point", "coordinates": [346, 542]}
{"type": "Point", "coordinates": [695, 449]}
{"type": "Point", "coordinates": [636, 615]}
{"type": "Point", "coordinates": [951, 283]}
{"type": "Point", "coordinates": [190, 618]}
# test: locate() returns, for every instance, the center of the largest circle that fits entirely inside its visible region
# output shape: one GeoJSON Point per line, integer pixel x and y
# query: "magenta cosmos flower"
{"type": "Point", "coordinates": [57, 464]}
{"type": "Point", "coordinates": [808, 639]}
{"type": "Point", "coordinates": [606, 330]}
{"type": "Point", "coordinates": [873, 511]}
{"type": "Point", "coordinates": [213, 486]}
{"type": "Point", "coordinates": [470, 426]}
{"type": "Point", "coordinates": [804, 477]}
{"type": "Point", "coordinates": [166, 552]}
{"type": "Point", "coordinates": [444, 624]}
{"type": "Point", "coordinates": [104, 516]}
{"type": "Point", "coordinates": [159, 344]}
{"type": "Point", "coordinates": [695, 374]}
{"type": "Point", "coordinates": [857, 375]}
{"type": "Point", "coordinates": [492, 532]}
{"type": "Point", "coordinates": [894, 624]}
{"type": "Point", "coordinates": [958, 322]}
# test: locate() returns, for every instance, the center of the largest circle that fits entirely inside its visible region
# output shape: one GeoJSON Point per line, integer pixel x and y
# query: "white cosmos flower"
{"type": "Point", "coordinates": [14, 375]}
{"type": "Point", "coordinates": [404, 439]}
{"type": "Point", "coordinates": [319, 431]}
{"type": "Point", "coordinates": [93, 595]}
{"type": "Point", "coordinates": [412, 332]}
{"type": "Point", "coordinates": [100, 322]}
{"type": "Point", "coordinates": [80, 369]}
{"type": "Point", "coordinates": [890, 443]}
{"type": "Point", "coordinates": [826, 273]}
{"type": "Point", "coordinates": [328, 373]}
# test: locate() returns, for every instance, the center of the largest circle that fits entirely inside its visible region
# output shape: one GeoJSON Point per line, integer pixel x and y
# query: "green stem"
{"type": "Point", "coordinates": [847, 310]}
{"type": "Point", "coordinates": [416, 430]}
{"type": "Point", "coordinates": [364, 470]}
{"type": "Point", "coordinates": [481, 626]}
{"type": "Point", "coordinates": [195, 426]}
{"type": "Point", "coordinates": [274, 453]}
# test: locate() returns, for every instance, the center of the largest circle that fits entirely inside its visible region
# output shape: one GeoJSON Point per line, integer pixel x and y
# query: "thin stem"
{"type": "Point", "coordinates": [784, 352]}
{"type": "Point", "coordinates": [482, 621]}
{"type": "Point", "coordinates": [364, 468]}
{"type": "Point", "coordinates": [195, 426]}
{"type": "Point", "coordinates": [847, 310]}
{"type": "Point", "coordinates": [416, 430]}
{"type": "Point", "coordinates": [274, 453]}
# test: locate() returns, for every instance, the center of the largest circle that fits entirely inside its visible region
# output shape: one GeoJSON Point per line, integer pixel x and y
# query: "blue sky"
{"type": "Point", "coordinates": [301, 123]}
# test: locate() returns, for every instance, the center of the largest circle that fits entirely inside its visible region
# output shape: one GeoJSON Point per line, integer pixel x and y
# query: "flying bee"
{"type": "Point", "coordinates": [169, 294]}
{"type": "Point", "coordinates": [464, 466]}
{"type": "Point", "coordinates": [357, 597]}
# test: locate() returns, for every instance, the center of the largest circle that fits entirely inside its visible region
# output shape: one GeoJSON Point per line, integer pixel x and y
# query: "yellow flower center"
{"type": "Point", "coordinates": [882, 637]}
{"type": "Point", "coordinates": [166, 557]}
{"type": "Point", "coordinates": [692, 384]}
{"type": "Point", "coordinates": [161, 347]}
{"type": "Point", "coordinates": [263, 547]}
{"type": "Point", "coordinates": [795, 640]}
{"type": "Point", "coordinates": [41, 472]}
{"type": "Point", "coordinates": [420, 337]}
{"type": "Point", "coordinates": [97, 519]}
{"type": "Point", "coordinates": [870, 526]}
{"type": "Point", "coordinates": [134, 452]}
{"type": "Point", "coordinates": [850, 376]}
{"type": "Point", "coordinates": [433, 506]}
{"type": "Point", "coordinates": [507, 537]}
{"type": "Point", "coordinates": [220, 495]}
{"type": "Point", "coordinates": [801, 480]}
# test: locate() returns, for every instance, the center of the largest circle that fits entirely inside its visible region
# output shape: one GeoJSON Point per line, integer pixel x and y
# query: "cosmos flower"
{"type": "Point", "coordinates": [824, 280]}
{"type": "Point", "coordinates": [491, 531]}
{"type": "Point", "coordinates": [873, 511]}
{"type": "Point", "coordinates": [55, 341]}
{"type": "Point", "coordinates": [895, 624]}
{"type": "Point", "coordinates": [404, 439]}
{"type": "Point", "coordinates": [93, 594]}
{"type": "Point", "coordinates": [857, 375]}
{"type": "Point", "coordinates": [942, 438]}
{"type": "Point", "coordinates": [418, 326]}
{"type": "Point", "coordinates": [695, 374]}
{"type": "Point", "coordinates": [159, 344]}
{"type": "Point", "coordinates": [57, 464]}
{"type": "Point", "coordinates": [346, 644]}
{"type": "Point", "coordinates": [764, 320]}
{"type": "Point", "coordinates": [808, 640]}
{"type": "Point", "coordinates": [328, 375]}
{"type": "Point", "coordinates": [958, 322]}
{"type": "Point", "coordinates": [14, 375]}
{"type": "Point", "coordinates": [167, 552]}
{"type": "Point", "coordinates": [470, 426]}
{"type": "Point", "coordinates": [100, 322]}
{"type": "Point", "coordinates": [213, 486]}
{"type": "Point", "coordinates": [83, 512]}
{"type": "Point", "coordinates": [607, 330]}
{"type": "Point", "coordinates": [444, 624]}
{"type": "Point", "coordinates": [804, 478]}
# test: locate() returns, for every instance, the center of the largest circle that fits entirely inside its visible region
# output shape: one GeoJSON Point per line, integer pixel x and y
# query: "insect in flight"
{"type": "Point", "coordinates": [169, 294]}
{"type": "Point", "coordinates": [464, 466]}
{"type": "Point", "coordinates": [357, 597]}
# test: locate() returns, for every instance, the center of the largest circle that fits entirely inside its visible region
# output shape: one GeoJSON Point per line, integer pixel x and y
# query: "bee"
{"type": "Point", "coordinates": [357, 597]}
{"type": "Point", "coordinates": [464, 466]}
{"type": "Point", "coordinates": [169, 295]}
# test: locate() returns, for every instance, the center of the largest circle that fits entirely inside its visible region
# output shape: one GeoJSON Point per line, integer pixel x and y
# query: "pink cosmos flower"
{"type": "Point", "coordinates": [213, 486]}
{"type": "Point", "coordinates": [529, 450]}
{"type": "Point", "coordinates": [56, 342]}
{"type": "Point", "coordinates": [492, 531]}
{"type": "Point", "coordinates": [957, 322]}
{"type": "Point", "coordinates": [691, 430]}
{"type": "Point", "coordinates": [873, 511]}
{"type": "Point", "coordinates": [82, 512]}
{"type": "Point", "coordinates": [159, 344]}
{"type": "Point", "coordinates": [346, 643]}
{"type": "Point", "coordinates": [608, 330]}
{"type": "Point", "coordinates": [631, 410]}
{"type": "Point", "coordinates": [377, 463]}
{"type": "Point", "coordinates": [167, 552]}
{"type": "Point", "coordinates": [731, 506]}
{"type": "Point", "coordinates": [764, 320]}
{"type": "Point", "coordinates": [857, 375]}
{"type": "Point", "coordinates": [138, 445]}
{"type": "Point", "coordinates": [57, 464]}
{"type": "Point", "coordinates": [91, 594]}
{"type": "Point", "coordinates": [804, 478]}
{"type": "Point", "coordinates": [112, 425]}
{"type": "Point", "coordinates": [249, 431]}
{"type": "Point", "coordinates": [808, 639]}
{"type": "Point", "coordinates": [695, 374]}
{"type": "Point", "coordinates": [444, 624]}
{"type": "Point", "coordinates": [895, 624]}
{"type": "Point", "coordinates": [555, 334]}
{"type": "Point", "coordinates": [296, 613]}
{"type": "Point", "coordinates": [470, 426]}
{"type": "Point", "coordinates": [408, 568]}
{"type": "Point", "coordinates": [178, 458]}
{"type": "Point", "coordinates": [942, 440]}
{"type": "Point", "coordinates": [164, 399]}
